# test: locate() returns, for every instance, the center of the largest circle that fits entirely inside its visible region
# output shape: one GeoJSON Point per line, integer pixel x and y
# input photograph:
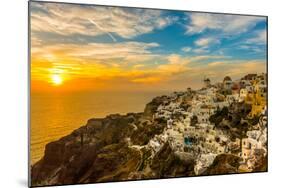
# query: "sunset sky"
{"type": "Point", "coordinates": [97, 48]}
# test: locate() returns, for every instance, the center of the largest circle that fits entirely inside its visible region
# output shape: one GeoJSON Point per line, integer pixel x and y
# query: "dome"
{"type": "Point", "coordinates": [227, 78]}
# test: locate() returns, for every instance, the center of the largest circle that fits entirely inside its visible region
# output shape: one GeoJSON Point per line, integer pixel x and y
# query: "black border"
{"type": "Point", "coordinates": [29, 95]}
{"type": "Point", "coordinates": [92, 4]}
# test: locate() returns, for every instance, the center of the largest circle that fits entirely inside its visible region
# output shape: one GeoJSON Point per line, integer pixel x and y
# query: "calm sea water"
{"type": "Point", "coordinates": [56, 115]}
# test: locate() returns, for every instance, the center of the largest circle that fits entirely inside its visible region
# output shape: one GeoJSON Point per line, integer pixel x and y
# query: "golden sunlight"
{"type": "Point", "coordinates": [56, 79]}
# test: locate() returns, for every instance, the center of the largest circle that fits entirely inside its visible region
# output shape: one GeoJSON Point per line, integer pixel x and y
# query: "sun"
{"type": "Point", "coordinates": [56, 79]}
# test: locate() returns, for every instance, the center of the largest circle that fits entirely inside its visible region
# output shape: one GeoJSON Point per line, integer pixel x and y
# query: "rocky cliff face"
{"type": "Point", "coordinates": [93, 153]}
{"type": "Point", "coordinates": [224, 164]}
{"type": "Point", "coordinates": [166, 163]}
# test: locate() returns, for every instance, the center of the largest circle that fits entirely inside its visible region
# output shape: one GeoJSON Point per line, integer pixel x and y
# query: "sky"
{"type": "Point", "coordinates": [98, 48]}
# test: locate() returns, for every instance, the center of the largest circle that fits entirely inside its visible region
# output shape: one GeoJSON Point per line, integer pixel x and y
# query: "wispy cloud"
{"type": "Point", "coordinates": [206, 41]}
{"type": "Point", "coordinates": [111, 36]}
{"type": "Point", "coordinates": [123, 53]}
{"type": "Point", "coordinates": [251, 48]}
{"type": "Point", "coordinates": [229, 24]}
{"type": "Point", "coordinates": [202, 45]}
{"type": "Point", "coordinates": [186, 49]}
{"type": "Point", "coordinates": [213, 64]}
{"type": "Point", "coordinates": [202, 50]}
{"type": "Point", "coordinates": [258, 38]}
{"type": "Point", "coordinates": [67, 19]}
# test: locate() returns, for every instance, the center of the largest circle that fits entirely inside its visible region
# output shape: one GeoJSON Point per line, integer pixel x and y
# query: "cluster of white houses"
{"type": "Point", "coordinates": [189, 129]}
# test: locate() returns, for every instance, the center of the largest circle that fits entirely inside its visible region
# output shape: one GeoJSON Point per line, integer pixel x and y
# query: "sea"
{"type": "Point", "coordinates": [54, 115]}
